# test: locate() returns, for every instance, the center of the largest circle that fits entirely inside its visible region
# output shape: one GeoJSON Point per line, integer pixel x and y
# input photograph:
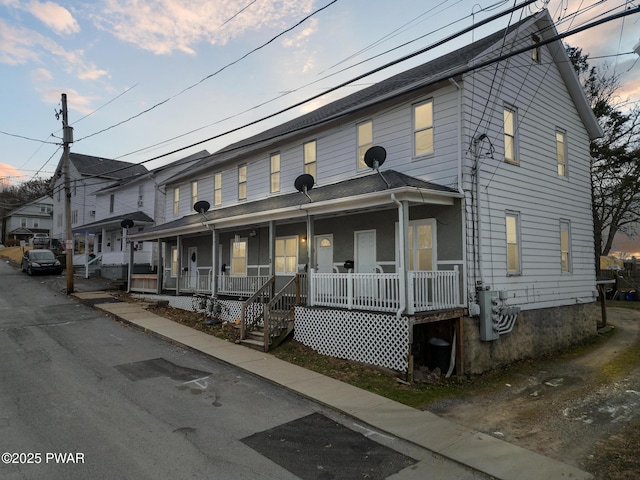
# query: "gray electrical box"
{"type": "Point", "coordinates": [488, 301]}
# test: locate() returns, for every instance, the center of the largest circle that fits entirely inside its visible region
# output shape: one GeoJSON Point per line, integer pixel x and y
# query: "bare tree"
{"type": "Point", "coordinates": [615, 158]}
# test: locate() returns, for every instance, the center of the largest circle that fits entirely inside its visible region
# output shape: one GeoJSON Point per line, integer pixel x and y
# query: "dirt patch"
{"type": "Point", "coordinates": [580, 408]}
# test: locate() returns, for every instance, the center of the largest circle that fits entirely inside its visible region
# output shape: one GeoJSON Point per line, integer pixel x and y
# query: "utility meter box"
{"type": "Point", "coordinates": [488, 301]}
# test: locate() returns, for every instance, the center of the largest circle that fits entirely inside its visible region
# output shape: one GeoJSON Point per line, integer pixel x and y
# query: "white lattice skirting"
{"type": "Point", "coordinates": [230, 308]}
{"type": "Point", "coordinates": [376, 339]}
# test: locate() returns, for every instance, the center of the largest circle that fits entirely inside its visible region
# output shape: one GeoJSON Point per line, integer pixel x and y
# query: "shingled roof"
{"type": "Point", "coordinates": [105, 167]}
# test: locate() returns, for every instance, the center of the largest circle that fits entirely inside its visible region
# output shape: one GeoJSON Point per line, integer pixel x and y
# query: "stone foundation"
{"type": "Point", "coordinates": [536, 332]}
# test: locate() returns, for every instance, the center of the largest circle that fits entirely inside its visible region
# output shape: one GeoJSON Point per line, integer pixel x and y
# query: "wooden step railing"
{"type": "Point", "coordinates": [251, 315]}
{"type": "Point", "coordinates": [279, 313]}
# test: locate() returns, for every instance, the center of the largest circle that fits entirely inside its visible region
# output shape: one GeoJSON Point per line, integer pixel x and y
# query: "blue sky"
{"type": "Point", "coordinates": [118, 58]}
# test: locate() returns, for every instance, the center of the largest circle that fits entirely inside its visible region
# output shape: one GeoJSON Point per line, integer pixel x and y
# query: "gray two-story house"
{"type": "Point", "coordinates": [450, 202]}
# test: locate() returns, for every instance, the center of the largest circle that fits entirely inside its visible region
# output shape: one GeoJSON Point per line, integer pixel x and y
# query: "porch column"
{"type": "Point", "coordinates": [214, 262]}
{"type": "Point", "coordinates": [179, 273]}
{"type": "Point", "coordinates": [272, 247]}
{"type": "Point", "coordinates": [129, 270]}
{"type": "Point", "coordinates": [403, 257]}
{"type": "Point", "coordinates": [159, 269]}
{"type": "Point", "coordinates": [103, 247]}
{"type": "Point", "coordinates": [86, 254]}
{"type": "Point", "coordinates": [310, 242]}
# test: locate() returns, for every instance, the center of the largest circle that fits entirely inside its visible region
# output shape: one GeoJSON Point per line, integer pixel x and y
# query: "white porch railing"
{"type": "Point", "coordinates": [242, 286]}
{"type": "Point", "coordinates": [122, 258]}
{"type": "Point", "coordinates": [199, 280]}
{"type": "Point", "coordinates": [356, 291]}
{"type": "Point", "coordinates": [426, 291]}
{"type": "Point", "coordinates": [433, 290]}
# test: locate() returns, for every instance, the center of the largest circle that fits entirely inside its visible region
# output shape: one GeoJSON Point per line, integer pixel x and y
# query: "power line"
{"type": "Point", "coordinates": [212, 74]}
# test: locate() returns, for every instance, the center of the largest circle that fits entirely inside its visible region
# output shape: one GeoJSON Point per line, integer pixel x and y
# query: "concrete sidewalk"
{"type": "Point", "coordinates": [474, 449]}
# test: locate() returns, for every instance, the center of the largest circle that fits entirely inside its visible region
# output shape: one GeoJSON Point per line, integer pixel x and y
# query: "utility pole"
{"type": "Point", "coordinates": [67, 139]}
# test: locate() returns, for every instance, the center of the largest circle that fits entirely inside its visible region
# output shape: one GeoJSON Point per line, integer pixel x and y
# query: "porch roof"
{"type": "Point", "coordinates": [370, 191]}
{"type": "Point", "coordinates": [139, 218]}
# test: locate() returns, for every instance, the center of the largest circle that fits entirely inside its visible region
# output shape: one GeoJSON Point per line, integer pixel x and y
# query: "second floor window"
{"type": "Point", "coordinates": [217, 189]}
{"type": "Point", "coordinates": [423, 129]}
{"type": "Point", "coordinates": [74, 216]}
{"type": "Point", "coordinates": [561, 151]}
{"type": "Point", "coordinates": [176, 201]}
{"type": "Point", "coordinates": [365, 142]}
{"type": "Point", "coordinates": [112, 202]}
{"type": "Point", "coordinates": [242, 182]}
{"type": "Point", "coordinates": [310, 163]}
{"type": "Point", "coordinates": [194, 192]}
{"type": "Point", "coordinates": [509, 125]}
{"type": "Point", "coordinates": [275, 172]}
{"type": "Point", "coordinates": [23, 222]}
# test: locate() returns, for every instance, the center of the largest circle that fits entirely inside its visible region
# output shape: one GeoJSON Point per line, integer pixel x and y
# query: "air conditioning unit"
{"type": "Point", "coordinates": [140, 203]}
{"type": "Point", "coordinates": [92, 213]}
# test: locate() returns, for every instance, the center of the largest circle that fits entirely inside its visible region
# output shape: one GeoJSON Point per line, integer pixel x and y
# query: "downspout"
{"type": "Point", "coordinates": [461, 191]}
{"type": "Point", "coordinates": [478, 209]}
{"type": "Point", "coordinates": [401, 257]}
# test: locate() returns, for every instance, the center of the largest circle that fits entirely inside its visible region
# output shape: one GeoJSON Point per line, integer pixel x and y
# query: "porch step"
{"type": "Point", "coordinates": [255, 344]}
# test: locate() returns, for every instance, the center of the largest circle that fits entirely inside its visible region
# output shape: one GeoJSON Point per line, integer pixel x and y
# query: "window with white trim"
{"type": "Point", "coordinates": [176, 201]}
{"type": "Point", "coordinates": [286, 258]}
{"type": "Point", "coordinates": [174, 261]}
{"type": "Point", "coordinates": [565, 246]}
{"type": "Point", "coordinates": [423, 129]}
{"type": "Point", "coordinates": [514, 266]}
{"type": "Point", "coordinates": [275, 172]}
{"type": "Point", "coordinates": [365, 141]}
{"type": "Point", "coordinates": [217, 189]}
{"type": "Point", "coordinates": [239, 256]}
{"type": "Point", "coordinates": [421, 240]}
{"type": "Point", "coordinates": [242, 182]}
{"type": "Point", "coordinates": [510, 140]}
{"type": "Point", "coordinates": [112, 202]}
{"type": "Point", "coordinates": [561, 152]}
{"type": "Point", "coordinates": [310, 163]}
{"type": "Point", "coordinates": [194, 192]}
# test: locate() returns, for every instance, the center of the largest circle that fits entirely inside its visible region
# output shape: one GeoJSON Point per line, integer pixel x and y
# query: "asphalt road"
{"type": "Point", "coordinates": [83, 396]}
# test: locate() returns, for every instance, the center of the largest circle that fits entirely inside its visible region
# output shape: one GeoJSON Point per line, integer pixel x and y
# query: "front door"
{"type": "Point", "coordinates": [365, 261]}
{"type": "Point", "coordinates": [324, 253]}
{"type": "Point", "coordinates": [192, 266]}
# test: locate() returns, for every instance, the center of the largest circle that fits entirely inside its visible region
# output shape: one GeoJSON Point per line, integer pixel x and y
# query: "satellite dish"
{"type": "Point", "coordinates": [126, 223]}
{"type": "Point", "coordinates": [201, 206]}
{"type": "Point", "coordinates": [375, 157]}
{"type": "Point", "coordinates": [304, 182]}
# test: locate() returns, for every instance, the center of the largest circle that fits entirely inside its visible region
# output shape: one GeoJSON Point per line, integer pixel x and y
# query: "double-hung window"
{"type": "Point", "coordinates": [217, 188]}
{"type": "Point", "coordinates": [174, 261]}
{"type": "Point", "coordinates": [565, 246]}
{"type": "Point", "coordinates": [239, 256]}
{"type": "Point", "coordinates": [275, 172]}
{"type": "Point", "coordinates": [510, 141]}
{"type": "Point", "coordinates": [176, 201]}
{"type": "Point", "coordinates": [561, 152]}
{"type": "Point", "coordinates": [514, 264]}
{"type": "Point", "coordinates": [286, 255]}
{"type": "Point", "coordinates": [310, 159]}
{"type": "Point", "coordinates": [242, 182]}
{"type": "Point", "coordinates": [365, 142]}
{"type": "Point", "coordinates": [423, 129]}
{"type": "Point", "coordinates": [194, 192]}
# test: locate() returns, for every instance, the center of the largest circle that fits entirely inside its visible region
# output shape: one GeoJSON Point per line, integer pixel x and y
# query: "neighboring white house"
{"type": "Point", "coordinates": [22, 222]}
{"type": "Point", "coordinates": [139, 199]}
{"type": "Point", "coordinates": [470, 227]}
{"type": "Point", "coordinates": [87, 175]}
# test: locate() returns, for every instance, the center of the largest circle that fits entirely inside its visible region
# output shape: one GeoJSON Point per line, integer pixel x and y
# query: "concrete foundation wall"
{"type": "Point", "coordinates": [536, 332]}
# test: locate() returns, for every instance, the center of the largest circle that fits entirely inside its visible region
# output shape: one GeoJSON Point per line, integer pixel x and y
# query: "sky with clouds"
{"type": "Point", "coordinates": [146, 77]}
